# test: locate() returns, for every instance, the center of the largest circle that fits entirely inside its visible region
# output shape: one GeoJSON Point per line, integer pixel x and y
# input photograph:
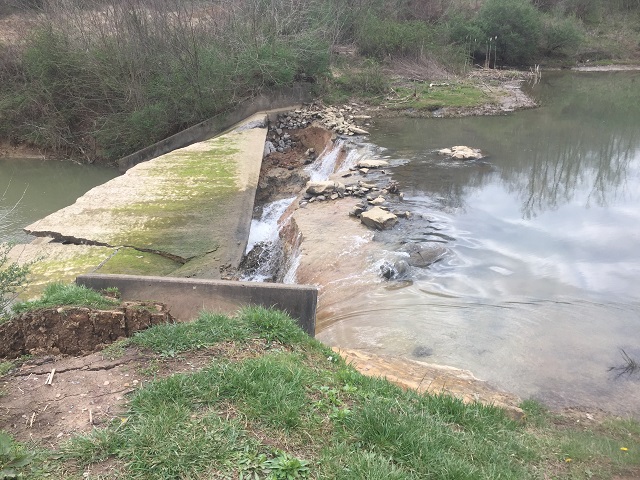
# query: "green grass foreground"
{"type": "Point", "coordinates": [273, 403]}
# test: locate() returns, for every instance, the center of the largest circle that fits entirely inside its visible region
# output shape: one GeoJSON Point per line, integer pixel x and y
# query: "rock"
{"type": "Point", "coordinates": [372, 164]}
{"type": "Point", "coordinates": [378, 201]}
{"type": "Point", "coordinates": [269, 148]}
{"type": "Point", "coordinates": [379, 219]}
{"type": "Point", "coordinates": [394, 270]}
{"type": "Point", "coordinates": [364, 171]}
{"type": "Point", "coordinates": [358, 131]}
{"type": "Point", "coordinates": [325, 187]}
{"type": "Point", "coordinates": [358, 210]}
{"type": "Point", "coordinates": [402, 213]}
{"type": "Point", "coordinates": [423, 254]}
{"type": "Point", "coordinates": [461, 152]}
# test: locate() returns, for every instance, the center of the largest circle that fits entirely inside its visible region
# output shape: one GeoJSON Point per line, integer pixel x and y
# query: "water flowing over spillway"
{"type": "Point", "coordinates": [270, 262]}
{"type": "Point", "coordinates": [264, 235]}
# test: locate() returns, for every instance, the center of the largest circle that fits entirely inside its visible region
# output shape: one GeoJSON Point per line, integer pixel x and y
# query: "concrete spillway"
{"type": "Point", "coordinates": [192, 205]}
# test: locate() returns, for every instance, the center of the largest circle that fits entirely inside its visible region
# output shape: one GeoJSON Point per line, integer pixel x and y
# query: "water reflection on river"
{"type": "Point", "coordinates": [32, 188]}
{"type": "Point", "coordinates": [539, 291]}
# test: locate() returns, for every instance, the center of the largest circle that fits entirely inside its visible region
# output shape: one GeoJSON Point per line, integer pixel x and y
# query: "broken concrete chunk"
{"type": "Point", "coordinates": [379, 219]}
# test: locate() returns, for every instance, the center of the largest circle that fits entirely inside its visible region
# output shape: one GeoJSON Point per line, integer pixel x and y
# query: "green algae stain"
{"type": "Point", "coordinates": [64, 267]}
{"type": "Point", "coordinates": [192, 188]}
{"type": "Point", "coordinates": [128, 261]}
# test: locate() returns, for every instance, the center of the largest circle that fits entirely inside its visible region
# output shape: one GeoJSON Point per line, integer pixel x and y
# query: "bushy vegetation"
{"type": "Point", "coordinates": [99, 79]}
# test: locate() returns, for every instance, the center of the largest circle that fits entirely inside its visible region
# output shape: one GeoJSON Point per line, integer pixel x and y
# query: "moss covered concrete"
{"type": "Point", "coordinates": [55, 262]}
{"type": "Point", "coordinates": [194, 202]}
{"type": "Point", "coordinates": [128, 261]}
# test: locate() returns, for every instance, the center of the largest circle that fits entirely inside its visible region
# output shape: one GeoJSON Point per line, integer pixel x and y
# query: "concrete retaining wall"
{"type": "Point", "coordinates": [186, 297]}
{"type": "Point", "coordinates": [282, 98]}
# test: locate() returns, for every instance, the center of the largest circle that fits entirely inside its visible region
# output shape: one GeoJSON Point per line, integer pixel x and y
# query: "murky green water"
{"type": "Point", "coordinates": [539, 291]}
{"type": "Point", "coordinates": [30, 189]}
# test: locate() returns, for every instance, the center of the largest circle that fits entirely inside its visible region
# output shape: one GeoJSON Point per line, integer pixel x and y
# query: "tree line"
{"type": "Point", "coordinates": [98, 79]}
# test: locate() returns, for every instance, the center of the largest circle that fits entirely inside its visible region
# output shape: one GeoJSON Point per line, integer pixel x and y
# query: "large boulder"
{"type": "Point", "coordinates": [379, 219]}
{"type": "Point", "coordinates": [373, 164]}
{"type": "Point", "coordinates": [423, 254]}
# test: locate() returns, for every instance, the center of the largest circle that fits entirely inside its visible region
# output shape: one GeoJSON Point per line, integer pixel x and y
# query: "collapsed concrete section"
{"type": "Point", "coordinates": [193, 204]}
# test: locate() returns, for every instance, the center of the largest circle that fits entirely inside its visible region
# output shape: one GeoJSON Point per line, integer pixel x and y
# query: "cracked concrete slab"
{"type": "Point", "coordinates": [189, 203]}
{"type": "Point", "coordinates": [56, 262]}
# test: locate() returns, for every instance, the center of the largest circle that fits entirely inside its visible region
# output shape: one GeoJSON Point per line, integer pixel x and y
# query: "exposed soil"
{"type": "Point", "coordinates": [282, 174]}
{"type": "Point", "coordinates": [19, 151]}
{"type": "Point", "coordinates": [76, 330]}
{"type": "Point", "coordinates": [91, 391]}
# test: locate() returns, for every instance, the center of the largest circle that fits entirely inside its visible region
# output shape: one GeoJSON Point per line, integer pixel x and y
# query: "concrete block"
{"type": "Point", "coordinates": [186, 297]}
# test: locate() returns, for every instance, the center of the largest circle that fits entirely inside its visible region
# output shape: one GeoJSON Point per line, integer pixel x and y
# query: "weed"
{"type": "Point", "coordinates": [6, 367]}
{"type": "Point", "coordinates": [12, 458]}
{"type": "Point", "coordinates": [116, 349]}
{"type": "Point", "coordinates": [151, 369]}
{"type": "Point", "coordinates": [629, 365]}
{"type": "Point", "coordinates": [12, 278]}
{"type": "Point", "coordinates": [286, 467]}
{"type": "Point", "coordinates": [112, 292]}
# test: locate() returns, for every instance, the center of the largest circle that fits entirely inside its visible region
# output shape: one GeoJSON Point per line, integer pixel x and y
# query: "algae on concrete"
{"type": "Point", "coordinates": [55, 262]}
{"type": "Point", "coordinates": [128, 261]}
{"type": "Point", "coordinates": [195, 202]}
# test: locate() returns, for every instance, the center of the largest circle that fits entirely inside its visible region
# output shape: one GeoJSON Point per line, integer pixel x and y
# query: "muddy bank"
{"type": "Point", "coordinates": [76, 330]}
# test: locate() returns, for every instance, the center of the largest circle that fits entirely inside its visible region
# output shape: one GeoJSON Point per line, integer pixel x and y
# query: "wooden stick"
{"type": "Point", "coordinates": [50, 377]}
{"type": "Point", "coordinates": [33, 416]}
{"type": "Point", "coordinates": [90, 417]}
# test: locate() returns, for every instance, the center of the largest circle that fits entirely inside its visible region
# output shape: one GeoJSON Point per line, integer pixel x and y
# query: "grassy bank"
{"type": "Point", "coordinates": [98, 80]}
{"type": "Point", "coordinates": [267, 401]}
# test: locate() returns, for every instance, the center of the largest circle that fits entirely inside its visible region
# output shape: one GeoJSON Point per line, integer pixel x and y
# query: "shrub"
{"type": "Point", "coordinates": [380, 37]}
{"type": "Point", "coordinates": [12, 278]}
{"type": "Point", "coordinates": [518, 26]}
{"type": "Point", "coordinates": [561, 36]}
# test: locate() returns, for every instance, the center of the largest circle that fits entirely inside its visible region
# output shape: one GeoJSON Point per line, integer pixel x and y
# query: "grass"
{"type": "Point", "coordinates": [423, 96]}
{"type": "Point", "coordinates": [6, 367]}
{"type": "Point", "coordinates": [60, 295]}
{"type": "Point", "coordinates": [289, 408]}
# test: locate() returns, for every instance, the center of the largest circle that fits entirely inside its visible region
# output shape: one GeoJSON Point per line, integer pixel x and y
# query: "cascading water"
{"type": "Point", "coordinates": [264, 252]}
{"type": "Point", "coordinates": [265, 259]}
{"type": "Point", "coordinates": [330, 161]}
{"type": "Point", "coordinates": [325, 165]}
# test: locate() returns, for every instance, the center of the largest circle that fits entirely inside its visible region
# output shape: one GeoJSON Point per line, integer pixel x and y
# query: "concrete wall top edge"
{"type": "Point", "coordinates": [201, 281]}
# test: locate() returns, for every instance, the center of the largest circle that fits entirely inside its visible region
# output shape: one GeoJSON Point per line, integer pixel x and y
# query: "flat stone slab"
{"type": "Point", "coordinates": [194, 201]}
{"type": "Point", "coordinates": [430, 378]}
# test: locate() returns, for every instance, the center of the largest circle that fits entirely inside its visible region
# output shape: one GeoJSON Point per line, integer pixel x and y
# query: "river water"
{"type": "Point", "coordinates": [538, 292]}
{"type": "Point", "coordinates": [31, 189]}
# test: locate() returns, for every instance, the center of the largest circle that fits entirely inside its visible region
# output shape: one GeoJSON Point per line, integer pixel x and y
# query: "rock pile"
{"type": "Point", "coordinates": [341, 120]}
{"type": "Point", "coordinates": [460, 152]}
